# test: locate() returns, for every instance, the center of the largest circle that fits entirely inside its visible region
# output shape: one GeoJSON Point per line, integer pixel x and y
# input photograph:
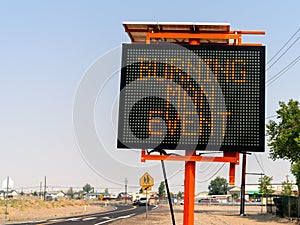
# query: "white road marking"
{"type": "Point", "coordinates": [106, 217]}
{"type": "Point", "coordinates": [130, 215]}
{"type": "Point", "coordinates": [155, 207]}
{"type": "Point", "coordinates": [27, 222]}
{"type": "Point", "coordinates": [118, 218]}
{"type": "Point", "coordinates": [89, 218]}
{"type": "Point", "coordinates": [56, 220]}
{"type": "Point", "coordinates": [74, 219]}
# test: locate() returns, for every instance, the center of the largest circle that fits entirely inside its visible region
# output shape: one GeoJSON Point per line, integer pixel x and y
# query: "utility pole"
{"type": "Point", "coordinates": [45, 186]}
{"type": "Point", "coordinates": [40, 190]}
{"type": "Point", "coordinates": [262, 195]}
{"type": "Point", "coordinates": [126, 181]}
{"type": "Point", "coordinates": [243, 184]}
{"type": "Point", "coordinates": [6, 196]}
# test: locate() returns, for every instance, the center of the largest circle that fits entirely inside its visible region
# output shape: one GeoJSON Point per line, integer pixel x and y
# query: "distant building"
{"type": "Point", "coordinates": [235, 191]}
{"type": "Point", "coordinates": [278, 189]}
{"type": "Point", "coordinates": [202, 194]}
{"type": "Point", "coordinates": [99, 195]}
{"type": "Point", "coordinates": [56, 194]}
{"type": "Point", "coordinates": [11, 194]}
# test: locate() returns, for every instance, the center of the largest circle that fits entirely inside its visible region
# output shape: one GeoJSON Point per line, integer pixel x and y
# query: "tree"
{"type": "Point", "coordinates": [87, 188]}
{"type": "Point", "coordinates": [234, 196]}
{"type": "Point", "coordinates": [106, 191]}
{"type": "Point", "coordinates": [162, 189]}
{"type": "Point", "coordinates": [287, 188]}
{"type": "Point", "coordinates": [295, 169]}
{"type": "Point", "coordinates": [265, 186]}
{"type": "Point", "coordinates": [79, 194]}
{"type": "Point", "coordinates": [218, 186]}
{"type": "Point", "coordinates": [284, 135]}
{"type": "Point", "coordinates": [70, 193]}
{"type": "Point", "coordinates": [180, 194]}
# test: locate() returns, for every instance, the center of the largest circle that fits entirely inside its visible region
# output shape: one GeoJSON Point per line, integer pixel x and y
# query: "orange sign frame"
{"type": "Point", "coordinates": [190, 157]}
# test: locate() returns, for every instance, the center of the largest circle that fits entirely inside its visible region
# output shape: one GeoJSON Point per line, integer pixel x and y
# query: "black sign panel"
{"type": "Point", "coordinates": [192, 97]}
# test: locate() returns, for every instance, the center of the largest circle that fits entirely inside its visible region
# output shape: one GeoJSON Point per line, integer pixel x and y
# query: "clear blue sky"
{"type": "Point", "coordinates": [45, 48]}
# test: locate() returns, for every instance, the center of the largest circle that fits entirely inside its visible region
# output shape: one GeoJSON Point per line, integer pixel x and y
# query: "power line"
{"type": "Point", "coordinates": [207, 169]}
{"type": "Point", "coordinates": [261, 167]}
{"type": "Point", "coordinates": [283, 46]}
{"type": "Point", "coordinates": [276, 76]}
{"type": "Point", "coordinates": [269, 117]}
{"type": "Point", "coordinates": [177, 172]}
{"type": "Point", "coordinates": [283, 71]}
{"type": "Point", "coordinates": [199, 182]}
{"type": "Point", "coordinates": [261, 161]}
{"type": "Point", "coordinates": [283, 53]}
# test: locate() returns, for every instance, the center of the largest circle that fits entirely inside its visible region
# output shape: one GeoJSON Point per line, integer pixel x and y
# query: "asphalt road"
{"type": "Point", "coordinates": [120, 212]}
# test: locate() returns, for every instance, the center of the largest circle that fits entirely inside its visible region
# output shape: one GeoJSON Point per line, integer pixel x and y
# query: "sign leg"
{"type": "Point", "coordinates": [189, 193]}
{"type": "Point", "coordinates": [146, 203]}
{"type": "Point", "coordinates": [243, 182]}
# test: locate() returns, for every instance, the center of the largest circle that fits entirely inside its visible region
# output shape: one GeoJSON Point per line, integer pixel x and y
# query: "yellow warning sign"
{"type": "Point", "coordinates": [146, 188]}
{"type": "Point", "coordinates": [146, 180]}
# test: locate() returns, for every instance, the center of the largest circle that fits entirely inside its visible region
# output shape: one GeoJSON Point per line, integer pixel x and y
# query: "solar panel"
{"type": "Point", "coordinates": [137, 31]}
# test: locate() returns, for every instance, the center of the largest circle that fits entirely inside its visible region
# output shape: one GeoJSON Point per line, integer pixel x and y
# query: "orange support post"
{"type": "Point", "coordinates": [189, 190]}
{"type": "Point", "coordinates": [142, 155]}
{"type": "Point", "coordinates": [232, 173]}
{"type": "Point", "coordinates": [232, 165]}
{"type": "Point", "coordinates": [189, 177]}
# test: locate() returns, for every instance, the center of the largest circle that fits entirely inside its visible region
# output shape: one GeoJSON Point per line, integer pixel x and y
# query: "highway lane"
{"type": "Point", "coordinates": [120, 212]}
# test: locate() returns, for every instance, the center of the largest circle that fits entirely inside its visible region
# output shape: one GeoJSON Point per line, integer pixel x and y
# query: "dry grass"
{"type": "Point", "coordinates": [36, 209]}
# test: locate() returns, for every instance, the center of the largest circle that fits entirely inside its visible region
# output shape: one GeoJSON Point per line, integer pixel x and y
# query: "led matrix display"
{"type": "Point", "coordinates": [192, 97]}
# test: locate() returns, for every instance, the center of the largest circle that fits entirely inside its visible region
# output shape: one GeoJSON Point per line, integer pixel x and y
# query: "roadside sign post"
{"type": "Point", "coordinates": [146, 181]}
{"type": "Point", "coordinates": [146, 202]}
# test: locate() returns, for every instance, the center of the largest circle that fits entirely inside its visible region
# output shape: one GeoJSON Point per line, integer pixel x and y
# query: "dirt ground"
{"type": "Point", "coordinates": [208, 214]}
{"type": "Point", "coordinates": [204, 214]}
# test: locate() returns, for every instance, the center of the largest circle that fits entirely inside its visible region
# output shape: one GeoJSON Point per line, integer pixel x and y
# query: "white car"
{"type": "Point", "coordinates": [143, 201]}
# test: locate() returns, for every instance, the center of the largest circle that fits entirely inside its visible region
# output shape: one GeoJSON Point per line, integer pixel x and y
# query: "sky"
{"type": "Point", "coordinates": [46, 50]}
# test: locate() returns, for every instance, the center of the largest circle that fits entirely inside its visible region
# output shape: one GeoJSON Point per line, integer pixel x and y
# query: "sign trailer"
{"type": "Point", "coordinates": [192, 87]}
